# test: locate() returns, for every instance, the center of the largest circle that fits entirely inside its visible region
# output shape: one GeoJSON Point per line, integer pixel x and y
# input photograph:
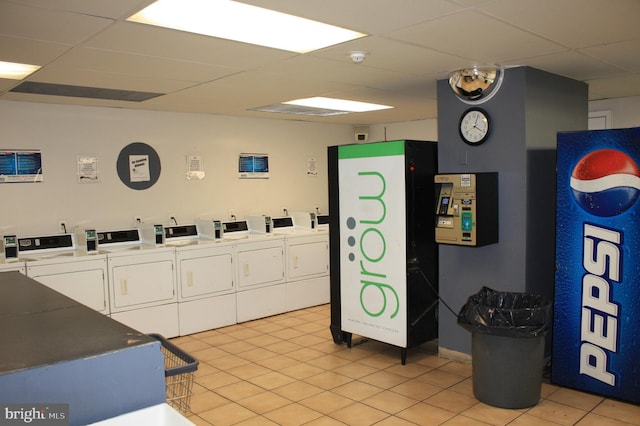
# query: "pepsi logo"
{"type": "Point", "coordinates": [605, 182]}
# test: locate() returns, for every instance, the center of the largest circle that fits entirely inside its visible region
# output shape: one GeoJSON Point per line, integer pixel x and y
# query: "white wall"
{"type": "Point", "coordinates": [62, 133]}
{"type": "Point", "coordinates": [625, 112]}
{"type": "Point", "coordinates": [422, 130]}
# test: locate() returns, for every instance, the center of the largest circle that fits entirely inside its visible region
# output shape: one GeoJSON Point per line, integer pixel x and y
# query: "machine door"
{"type": "Point", "coordinates": [204, 272]}
{"type": "Point", "coordinates": [141, 281]}
{"type": "Point", "coordinates": [307, 259]}
{"type": "Point", "coordinates": [84, 282]}
{"type": "Point", "coordinates": [260, 264]}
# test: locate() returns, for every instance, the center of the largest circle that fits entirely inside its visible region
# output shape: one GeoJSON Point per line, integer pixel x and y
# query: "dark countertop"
{"type": "Point", "coordinates": [39, 326]}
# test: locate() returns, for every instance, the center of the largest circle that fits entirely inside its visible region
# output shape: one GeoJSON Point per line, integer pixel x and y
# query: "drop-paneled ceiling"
{"type": "Point", "coordinates": [411, 45]}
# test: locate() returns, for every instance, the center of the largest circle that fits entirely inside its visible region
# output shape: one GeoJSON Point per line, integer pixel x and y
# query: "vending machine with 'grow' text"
{"type": "Point", "coordinates": [384, 258]}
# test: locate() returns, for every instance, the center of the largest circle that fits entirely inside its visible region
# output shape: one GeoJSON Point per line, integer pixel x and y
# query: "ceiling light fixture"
{"type": "Point", "coordinates": [16, 71]}
{"type": "Point", "coordinates": [320, 107]}
{"type": "Point", "coordinates": [245, 23]}
{"type": "Point", "coordinates": [337, 104]}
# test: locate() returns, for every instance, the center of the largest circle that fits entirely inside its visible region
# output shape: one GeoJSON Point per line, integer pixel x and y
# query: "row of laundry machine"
{"type": "Point", "coordinates": [182, 279]}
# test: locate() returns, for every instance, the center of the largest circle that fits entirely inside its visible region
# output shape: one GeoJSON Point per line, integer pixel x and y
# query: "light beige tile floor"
{"type": "Point", "coordinates": [286, 370]}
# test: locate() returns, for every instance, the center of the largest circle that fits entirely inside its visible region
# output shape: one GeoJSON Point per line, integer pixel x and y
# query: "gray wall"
{"type": "Point", "coordinates": [527, 112]}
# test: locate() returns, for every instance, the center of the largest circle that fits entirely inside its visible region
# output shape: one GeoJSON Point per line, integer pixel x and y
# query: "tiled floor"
{"type": "Point", "coordinates": [286, 370]}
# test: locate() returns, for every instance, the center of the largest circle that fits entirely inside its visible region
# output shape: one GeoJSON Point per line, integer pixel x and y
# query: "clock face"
{"type": "Point", "coordinates": [474, 126]}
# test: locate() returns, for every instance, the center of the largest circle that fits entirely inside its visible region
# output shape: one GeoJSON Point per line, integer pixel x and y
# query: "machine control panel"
{"type": "Point", "coordinates": [90, 240]}
{"type": "Point", "coordinates": [158, 234]}
{"type": "Point", "coordinates": [217, 229]}
{"type": "Point", "coordinates": [10, 243]}
{"type": "Point", "coordinates": [467, 208]}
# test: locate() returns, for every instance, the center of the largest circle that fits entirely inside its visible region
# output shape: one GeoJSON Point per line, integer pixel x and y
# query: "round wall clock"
{"type": "Point", "coordinates": [474, 126]}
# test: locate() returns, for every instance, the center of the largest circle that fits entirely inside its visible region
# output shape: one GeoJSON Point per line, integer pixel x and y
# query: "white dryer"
{"type": "Point", "coordinates": [206, 286]}
{"type": "Point", "coordinates": [261, 290]}
{"type": "Point", "coordinates": [55, 262]}
{"type": "Point", "coordinates": [307, 269]}
{"type": "Point", "coordinates": [142, 282]}
{"type": "Point", "coordinates": [205, 275]}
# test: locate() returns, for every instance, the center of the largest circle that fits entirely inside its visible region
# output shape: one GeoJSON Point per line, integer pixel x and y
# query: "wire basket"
{"type": "Point", "coordinates": [179, 371]}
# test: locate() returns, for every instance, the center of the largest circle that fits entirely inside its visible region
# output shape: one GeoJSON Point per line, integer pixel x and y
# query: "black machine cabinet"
{"type": "Point", "coordinates": [384, 258]}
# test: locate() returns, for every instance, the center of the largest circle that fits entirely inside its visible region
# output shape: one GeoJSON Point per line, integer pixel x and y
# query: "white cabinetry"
{"type": "Point", "coordinates": [206, 292]}
{"type": "Point", "coordinates": [82, 278]}
{"type": "Point", "coordinates": [261, 288]}
{"type": "Point", "coordinates": [307, 270]}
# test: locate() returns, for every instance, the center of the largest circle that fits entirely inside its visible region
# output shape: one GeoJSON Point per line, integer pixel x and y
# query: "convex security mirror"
{"type": "Point", "coordinates": [475, 85]}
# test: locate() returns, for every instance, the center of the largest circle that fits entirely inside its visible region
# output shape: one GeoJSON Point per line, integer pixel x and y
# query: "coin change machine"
{"type": "Point", "coordinates": [467, 208]}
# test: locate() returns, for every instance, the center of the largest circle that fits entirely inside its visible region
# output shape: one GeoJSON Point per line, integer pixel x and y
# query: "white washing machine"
{"type": "Point", "coordinates": [206, 285]}
{"type": "Point", "coordinates": [307, 269]}
{"type": "Point", "coordinates": [142, 282]}
{"type": "Point", "coordinates": [55, 262]}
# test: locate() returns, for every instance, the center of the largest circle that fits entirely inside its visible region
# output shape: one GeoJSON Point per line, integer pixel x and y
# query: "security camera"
{"type": "Point", "coordinates": [358, 56]}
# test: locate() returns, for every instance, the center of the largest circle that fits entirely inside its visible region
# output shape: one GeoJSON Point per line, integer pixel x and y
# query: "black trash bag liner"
{"type": "Point", "coordinates": [506, 314]}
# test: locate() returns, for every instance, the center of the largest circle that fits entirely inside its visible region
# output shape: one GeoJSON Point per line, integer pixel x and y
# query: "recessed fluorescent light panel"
{"type": "Point", "coordinates": [337, 104]}
{"type": "Point", "coordinates": [245, 23]}
{"type": "Point", "coordinates": [15, 71]}
{"type": "Point", "coordinates": [320, 107]}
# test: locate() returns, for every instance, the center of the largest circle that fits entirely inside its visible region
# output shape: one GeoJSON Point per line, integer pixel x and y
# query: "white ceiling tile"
{"type": "Point", "coordinates": [572, 23]}
{"type": "Point", "coordinates": [27, 51]}
{"type": "Point", "coordinates": [48, 25]}
{"type": "Point", "coordinates": [165, 43]}
{"type": "Point", "coordinates": [368, 16]}
{"type": "Point", "coordinates": [106, 80]}
{"type": "Point", "coordinates": [141, 66]}
{"type": "Point", "coordinates": [625, 54]}
{"type": "Point", "coordinates": [473, 35]}
{"type": "Point", "coordinates": [621, 87]}
{"type": "Point", "coordinates": [412, 44]}
{"type": "Point", "coordinates": [109, 9]}
{"type": "Point", "coordinates": [394, 55]}
{"type": "Point", "coordinates": [571, 64]}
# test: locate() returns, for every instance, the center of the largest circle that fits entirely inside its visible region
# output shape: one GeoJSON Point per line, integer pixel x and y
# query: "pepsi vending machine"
{"type": "Point", "coordinates": [596, 333]}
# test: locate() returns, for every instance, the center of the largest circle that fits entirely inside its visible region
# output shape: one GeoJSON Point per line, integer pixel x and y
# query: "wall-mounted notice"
{"type": "Point", "coordinates": [20, 166]}
{"type": "Point", "coordinates": [88, 169]}
{"type": "Point", "coordinates": [195, 169]}
{"type": "Point", "coordinates": [253, 166]}
{"type": "Point", "coordinates": [139, 168]}
{"type": "Point", "coordinates": [312, 167]}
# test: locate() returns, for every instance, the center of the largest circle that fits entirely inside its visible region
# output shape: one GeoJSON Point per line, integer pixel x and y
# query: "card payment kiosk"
{"type": "Point", "coordinates": [10, 246]}
{"type": "Point", "coordinates": [467, 208]}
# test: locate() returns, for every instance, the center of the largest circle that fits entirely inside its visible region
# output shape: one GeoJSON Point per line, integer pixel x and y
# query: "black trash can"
{"type": "Point", "coordinates": [507, 345]}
